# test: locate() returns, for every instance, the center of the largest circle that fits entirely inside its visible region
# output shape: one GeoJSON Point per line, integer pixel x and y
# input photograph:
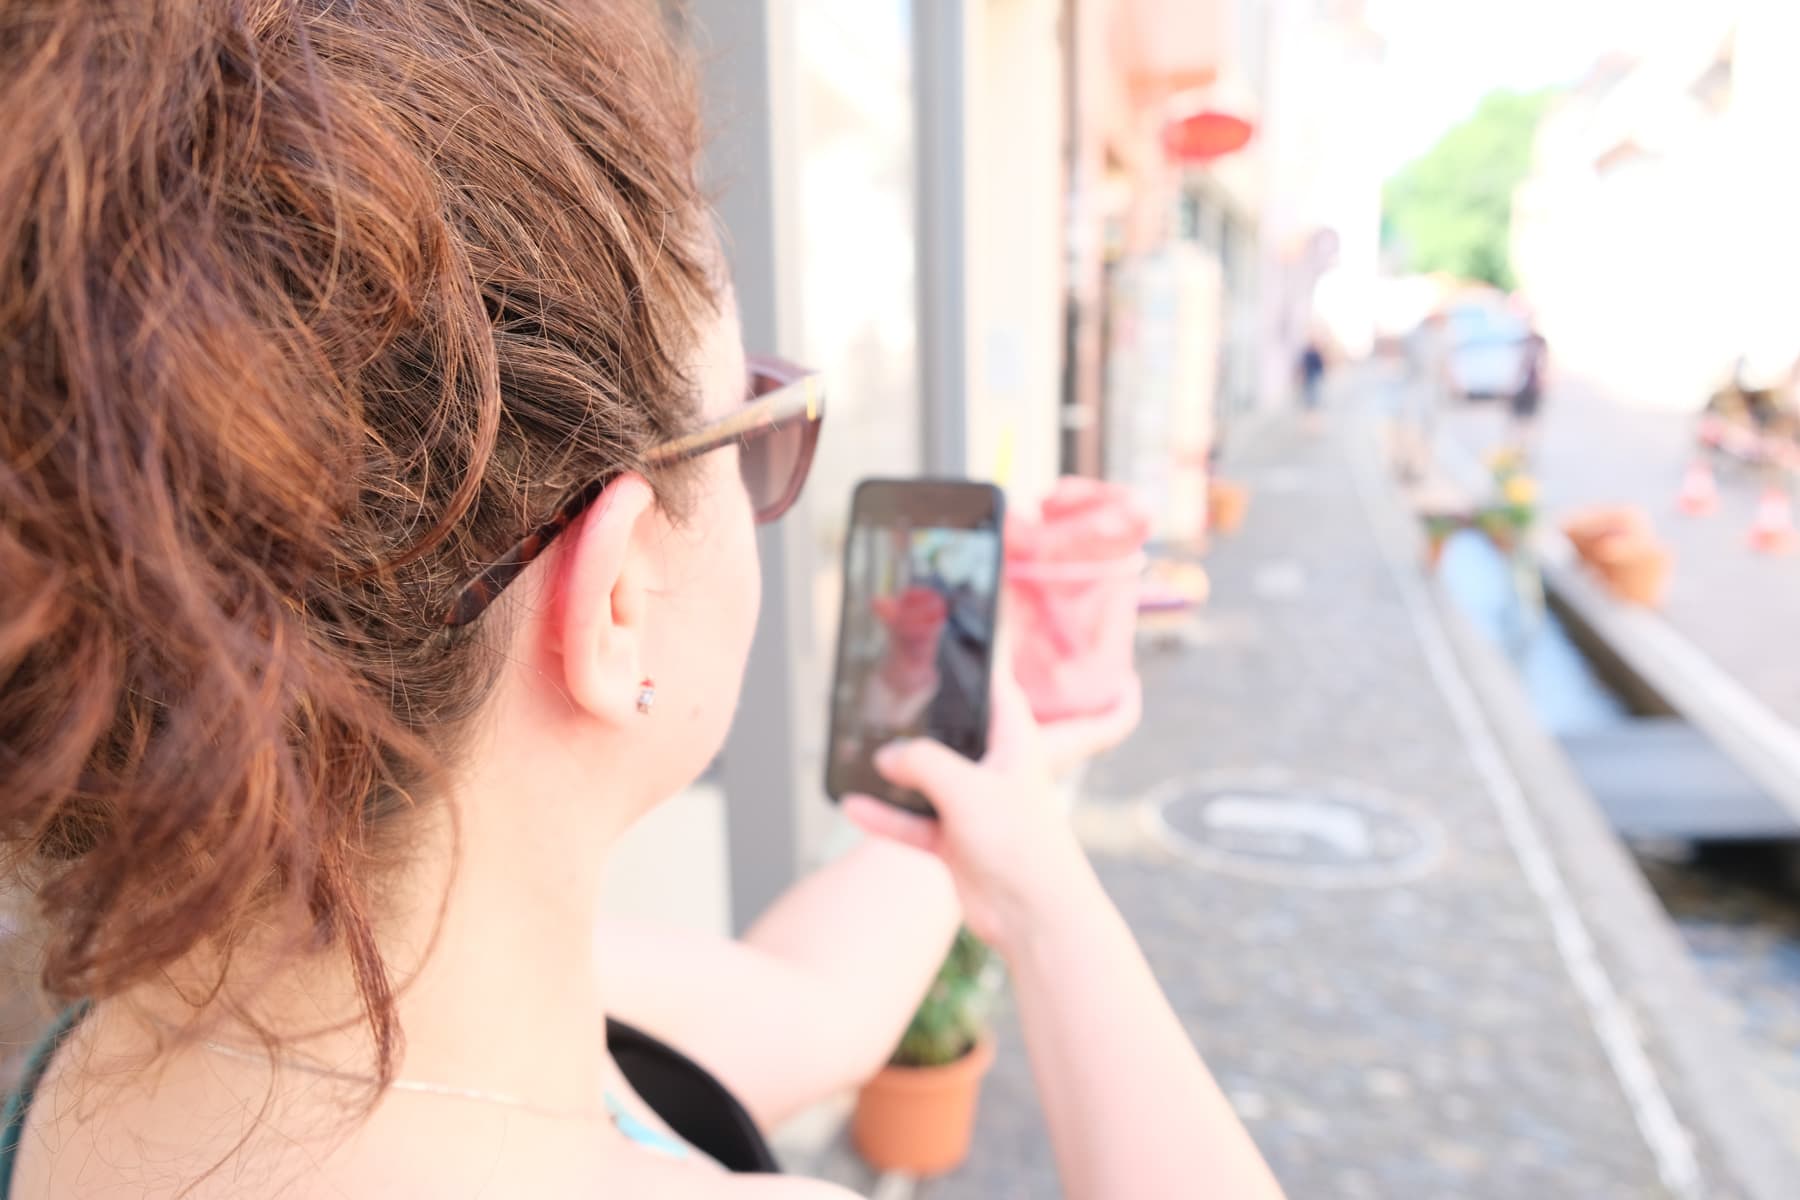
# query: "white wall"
{"type": "Point", "coordinates": [857, 314]}
{"type": "Point", "coordinates": [1322, 103]}
{"type": "Point", "coordinates": [1015, 248]}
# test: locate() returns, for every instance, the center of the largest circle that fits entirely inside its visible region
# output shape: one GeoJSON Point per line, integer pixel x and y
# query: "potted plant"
{"type": "Point", "coordinates": [1510, 516]}
{"type": "Point", "coordinates": [1587, 528]}
{"type": "Point", "coordinates": [917, 1115]}
{"type": "Point", "coordinates": [1226, 505]}
{"type": "Point", "coordinates": [1440, 527]}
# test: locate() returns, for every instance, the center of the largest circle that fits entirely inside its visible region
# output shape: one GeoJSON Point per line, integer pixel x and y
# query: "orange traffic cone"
{"type": "Point", "coordinates": [1699, 496]}
{"type": "Point", "coordinates": [1772, 532]}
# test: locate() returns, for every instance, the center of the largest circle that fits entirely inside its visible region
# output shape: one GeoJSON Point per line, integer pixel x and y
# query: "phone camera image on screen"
{"type": "Point", "coordinates": [916, 644]}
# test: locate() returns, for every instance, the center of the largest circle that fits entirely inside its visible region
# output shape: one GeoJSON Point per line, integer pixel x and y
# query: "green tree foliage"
{"type": "Point", "coordinates": [1450, 209]}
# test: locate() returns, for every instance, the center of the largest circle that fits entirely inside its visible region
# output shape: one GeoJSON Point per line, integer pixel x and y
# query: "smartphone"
{"type": "Point", "coordinates": [916, 636]}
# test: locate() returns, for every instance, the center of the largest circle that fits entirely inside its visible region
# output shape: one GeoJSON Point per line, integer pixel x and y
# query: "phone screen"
{"type": "Point", "coordinates": [916, 642]}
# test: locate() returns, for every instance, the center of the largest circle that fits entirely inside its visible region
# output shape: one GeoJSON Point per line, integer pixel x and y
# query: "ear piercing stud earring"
{"type": "Point", "coordinates": [646, 694]}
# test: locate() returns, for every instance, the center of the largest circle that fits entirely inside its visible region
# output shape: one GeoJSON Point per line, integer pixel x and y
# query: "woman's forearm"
{"type": "Point", "coordinates": [871, 929]}
{"type": "Point", "coordinates": [1132, 1109]}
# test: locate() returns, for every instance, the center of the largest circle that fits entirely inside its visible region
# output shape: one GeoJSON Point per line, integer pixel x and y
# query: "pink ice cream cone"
{"type": "Point", "coordinates": [1072, 573]}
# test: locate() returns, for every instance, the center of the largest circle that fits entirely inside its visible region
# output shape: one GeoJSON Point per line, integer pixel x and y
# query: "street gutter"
{"type": "Point", "coordinates": [1688, 1028]}
{"type": "Point", "coordinates": [1734, 720]}
{"type": "Point", "coordinates": [1745, 729]}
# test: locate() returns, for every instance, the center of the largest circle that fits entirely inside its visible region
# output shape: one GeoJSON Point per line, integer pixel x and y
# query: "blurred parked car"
{"type": "Point", "coordinates": [1488, 350]}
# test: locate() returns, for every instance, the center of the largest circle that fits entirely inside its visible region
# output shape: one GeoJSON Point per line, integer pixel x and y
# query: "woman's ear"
{"type": "Point", "coordinates": [600, 602]}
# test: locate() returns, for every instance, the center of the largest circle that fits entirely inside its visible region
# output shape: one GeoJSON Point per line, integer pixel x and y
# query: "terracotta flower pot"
{"type": "Point", "coordinates": [918, 1120]}
{"type": "Point", "coordinates": [1634, 569]}
{"type": "Point", "coordinates": [1591, 526]}
{"type": "Point", "coordinates": [1226, 504]}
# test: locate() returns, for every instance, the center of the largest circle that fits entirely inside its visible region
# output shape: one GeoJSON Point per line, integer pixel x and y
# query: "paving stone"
{"type": "Point", "coordinates": [1407, 1041]}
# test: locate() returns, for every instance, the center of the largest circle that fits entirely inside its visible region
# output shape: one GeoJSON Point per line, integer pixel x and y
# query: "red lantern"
{"type": "Point", "coordinates": [1205, 135]}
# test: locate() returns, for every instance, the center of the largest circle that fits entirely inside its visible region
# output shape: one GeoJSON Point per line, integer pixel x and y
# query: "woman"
{"type": "Point", "coordinates": [376, 525]}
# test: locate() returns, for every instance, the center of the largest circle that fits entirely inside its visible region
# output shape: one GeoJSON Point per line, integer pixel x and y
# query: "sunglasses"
{"type": "Point", "coordinates": [776, 432]}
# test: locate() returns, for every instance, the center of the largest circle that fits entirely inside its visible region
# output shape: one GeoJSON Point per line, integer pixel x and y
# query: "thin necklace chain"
{"type": "Point", "coordinates": [421, 1087]}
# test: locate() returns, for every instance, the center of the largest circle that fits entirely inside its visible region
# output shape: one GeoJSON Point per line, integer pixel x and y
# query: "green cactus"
{"type": "Point", "coordinates": [954, 1014]}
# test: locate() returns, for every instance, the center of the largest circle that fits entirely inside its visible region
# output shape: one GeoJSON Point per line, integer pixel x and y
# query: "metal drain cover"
{"type": "Point", "coordinates": [1279, 827]}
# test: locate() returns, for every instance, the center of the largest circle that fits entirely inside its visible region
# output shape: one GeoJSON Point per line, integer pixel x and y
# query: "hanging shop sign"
{"type": "Point", "coordinates": [1203, 136]}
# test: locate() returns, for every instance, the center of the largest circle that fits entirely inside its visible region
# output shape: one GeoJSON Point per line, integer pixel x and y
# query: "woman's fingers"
{"type": "Point", "coordinates": [943, 775]}
{"type": "Point", "coordinates": [884, 820]}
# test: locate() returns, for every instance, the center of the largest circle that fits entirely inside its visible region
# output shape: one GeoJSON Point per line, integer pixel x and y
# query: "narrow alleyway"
{"type": "Point", "coordinates": [1334, 900]}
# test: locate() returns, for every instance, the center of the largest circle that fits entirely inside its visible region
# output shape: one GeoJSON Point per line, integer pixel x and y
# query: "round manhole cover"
{"type": "Point", "coordinates": [1283, 828]}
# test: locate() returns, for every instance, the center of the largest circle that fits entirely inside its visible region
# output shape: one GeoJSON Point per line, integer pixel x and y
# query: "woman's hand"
{"type": "Point", "coordinates": [1000, 829]}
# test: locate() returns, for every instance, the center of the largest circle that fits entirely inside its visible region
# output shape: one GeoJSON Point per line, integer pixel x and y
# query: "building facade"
{"type": "Point", "coordinates": [1655, 239]}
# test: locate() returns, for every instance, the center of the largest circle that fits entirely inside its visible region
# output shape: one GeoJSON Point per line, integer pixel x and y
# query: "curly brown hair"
{"type": "Point", "coordinates": [306, 307]}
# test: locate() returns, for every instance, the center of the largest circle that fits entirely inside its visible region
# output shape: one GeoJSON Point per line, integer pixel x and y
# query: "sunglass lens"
{"type": "Point", "coordinates": [775, 462]}
{"type": "Point", "coordinates": [769, 464]}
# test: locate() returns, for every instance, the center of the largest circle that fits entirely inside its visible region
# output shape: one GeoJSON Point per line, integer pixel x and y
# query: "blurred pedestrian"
{"type": "Point", "coordinates": [1311, 370]}
{"type": "Point", "coordinates": [1527, 400]}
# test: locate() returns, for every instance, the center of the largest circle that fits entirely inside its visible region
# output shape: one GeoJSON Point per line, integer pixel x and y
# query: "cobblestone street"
{"type": "Point", "coordinates": [1418, 1034]}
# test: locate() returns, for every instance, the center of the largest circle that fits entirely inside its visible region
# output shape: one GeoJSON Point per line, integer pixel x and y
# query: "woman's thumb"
{"type": "Point", "coordinates": [926, 766]}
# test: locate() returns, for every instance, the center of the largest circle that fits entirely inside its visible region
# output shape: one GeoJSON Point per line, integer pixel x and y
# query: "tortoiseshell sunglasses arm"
{"type": "Point", "coordinates": [798, 397]}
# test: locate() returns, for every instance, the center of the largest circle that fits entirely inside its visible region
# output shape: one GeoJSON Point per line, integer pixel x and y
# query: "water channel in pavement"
{"type": "Point", "coordinates": [1736, 905]}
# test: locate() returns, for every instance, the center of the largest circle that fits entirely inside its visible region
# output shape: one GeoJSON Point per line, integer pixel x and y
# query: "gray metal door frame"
{"type": "Point", "coordinates": [940, 115]}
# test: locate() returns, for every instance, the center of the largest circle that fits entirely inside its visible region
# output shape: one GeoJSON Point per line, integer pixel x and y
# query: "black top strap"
{"type": "Point", "coordinates": [690, 1101]}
